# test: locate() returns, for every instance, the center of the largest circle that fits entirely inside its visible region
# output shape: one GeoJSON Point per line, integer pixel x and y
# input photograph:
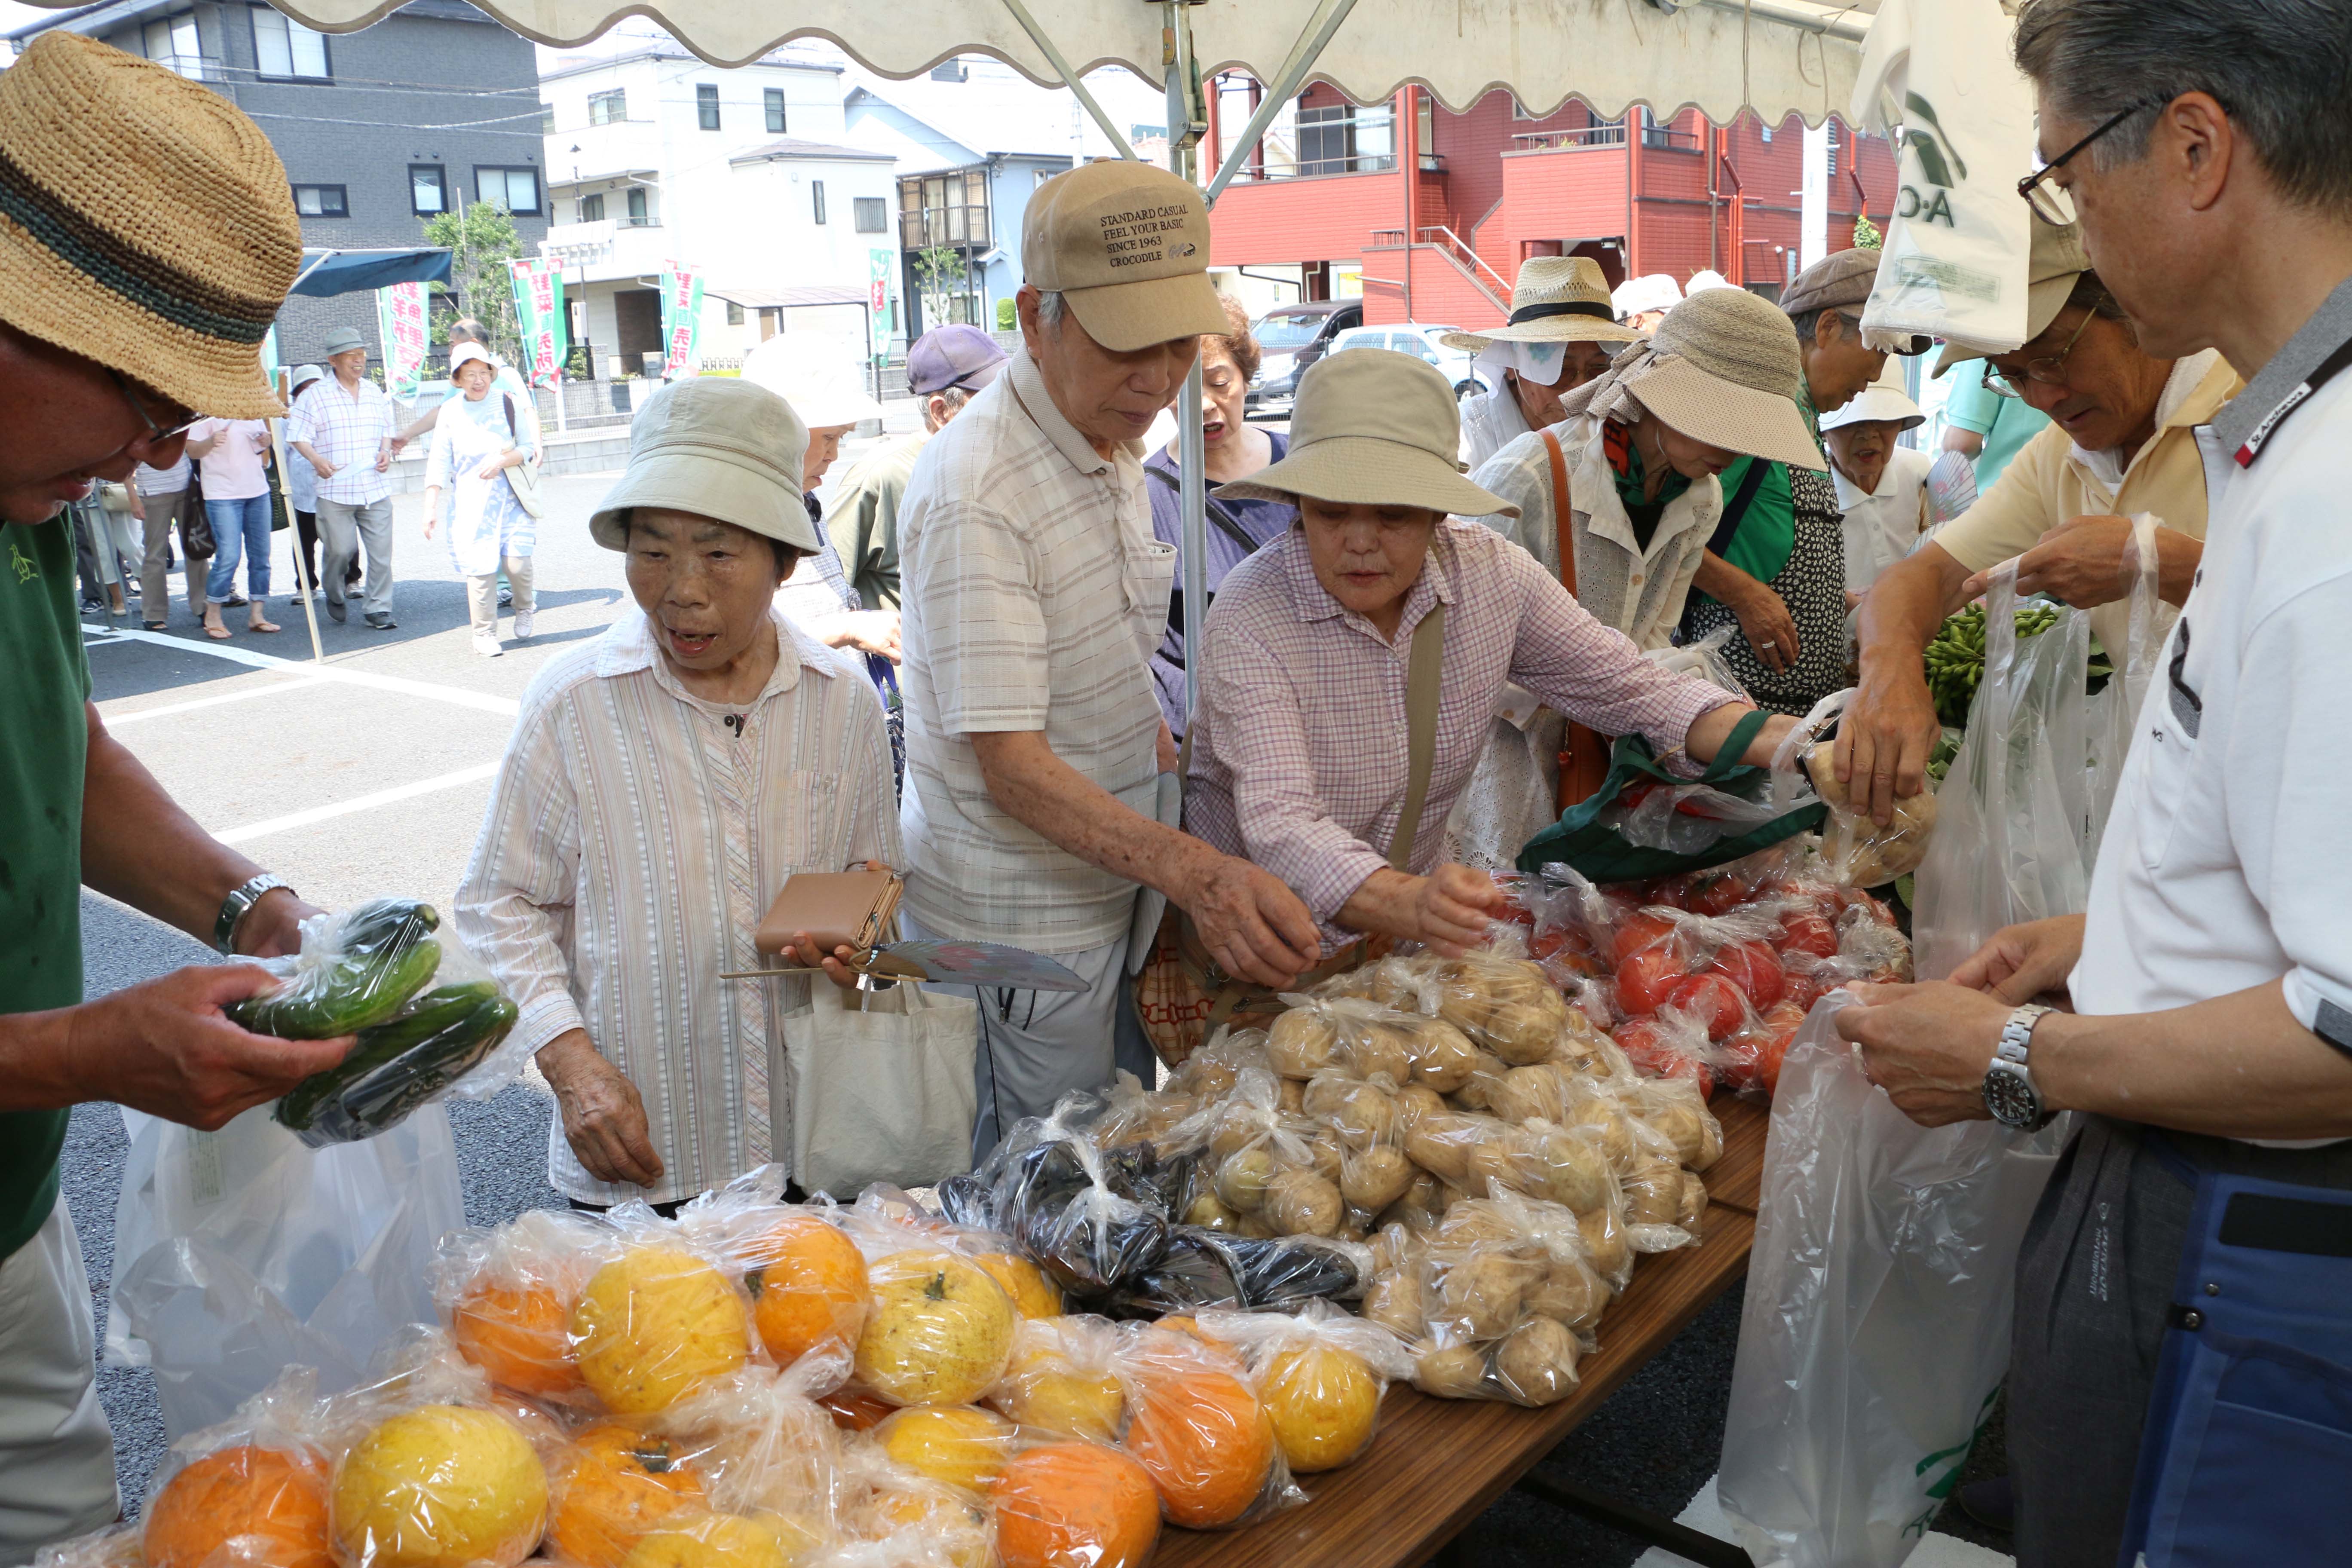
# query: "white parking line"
{"type": "Point", "coordinates": [362, 803]}
{"type": "Point", "coordinates": [116, 721]}
{"type": "Point", "coordinates": [482, 702]}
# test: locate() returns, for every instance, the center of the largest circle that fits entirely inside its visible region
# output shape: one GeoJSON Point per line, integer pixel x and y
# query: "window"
{"type": "Point", "coordinates": [284, 47]}
{"type": "Point", "coordinates": [1765, 131]}
{"type": "Point", "coordinates": [172, 43]}
{"type": "Point", "coordinates": [1341, 139]}
{"type": "Point", "coordinates": [816, 198]}
{"type": "Point", "coordinates": [775, 99]}
{"type": "Point", "coordinates": [592, 208]}
{"type": "Point", "coordinates": [949, 70]}
{"type": "Point", "coordinates": [608, 108]}
{"type": "Point", "coordinates": [517, 190]}
{"type": "Point", "coordinates": [320, 201]}
{"type": "Point", "coordinates": [428, 189]}
{"type": "Point", "coordinates": [1829, 135]}
{"type": "Point", "coordinates": [638, 218]}
{"type": "Point", "coordinates": [706, 105]}
{"type": "Point", "coordinates": [872, 214]}
{"type": "Point", "coordinates": [734, 314]}
{"type": "Point", "coordinates": [547, 120]}
{"type": "Point", "coordinates": [1519, 111]}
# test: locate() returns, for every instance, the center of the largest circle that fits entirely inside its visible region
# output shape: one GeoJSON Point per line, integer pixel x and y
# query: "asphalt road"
{"type": "Point", "coordinates": [369, 775]}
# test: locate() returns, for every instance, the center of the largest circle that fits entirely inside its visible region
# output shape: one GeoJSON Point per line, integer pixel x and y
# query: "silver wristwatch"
{"type": "Point", "coordinates": [2009, 1091]}
{"type": "Point", "coordinates": [240, 899]}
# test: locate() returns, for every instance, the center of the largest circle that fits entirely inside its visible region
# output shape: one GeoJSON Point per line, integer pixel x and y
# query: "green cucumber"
{"type": "Point", "coordinates": [396, 1066]}
{"type": "Point", "coordinates": [387, 923]}
{"type": "Point", "coordinates": [352, 993]}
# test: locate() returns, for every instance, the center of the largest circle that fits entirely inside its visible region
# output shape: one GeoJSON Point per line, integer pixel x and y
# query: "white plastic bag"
{"type": "Point", "coordinates": [239, 1252]}
{"type": "Point", "coordinates": [1877, 1319]}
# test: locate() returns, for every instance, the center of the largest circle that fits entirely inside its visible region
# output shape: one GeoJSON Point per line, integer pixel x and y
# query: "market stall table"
{"type": "Point", "coordinates": [1437, 1463]}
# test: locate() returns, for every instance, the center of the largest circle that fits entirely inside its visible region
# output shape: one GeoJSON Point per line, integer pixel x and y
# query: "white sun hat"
{"type": "Point", "coordinates": [820, 376]}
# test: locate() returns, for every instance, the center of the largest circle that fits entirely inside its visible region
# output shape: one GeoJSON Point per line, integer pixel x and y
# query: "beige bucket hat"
{"type": "Point", "coordinates": [1373, 427]}
{"type": "Point", "coordinates": [1556, 300]}
{"type": "Point", "coordinates": [2055, 261]}
{"type": "Point", "coordinates": [1127, 246]}
{"type": "Point", "coordinates": [720, 447]}
{"type": "Point", "coordinates": [145, 222]}
{"type": "Point", "coordinates": [1721, 368]}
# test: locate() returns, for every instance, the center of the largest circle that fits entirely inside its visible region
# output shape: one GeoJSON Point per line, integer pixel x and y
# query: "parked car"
{"type": "Point", "coordinates": [1293, 337]}
{"type": "Point", "coordinates": [1421, 339]}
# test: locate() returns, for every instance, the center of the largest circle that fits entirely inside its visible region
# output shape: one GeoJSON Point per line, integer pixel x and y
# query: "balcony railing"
{"type": "Point", "coordinates": [1664, 136]}
{"type": "Point", "coordinates": [1569, 139]}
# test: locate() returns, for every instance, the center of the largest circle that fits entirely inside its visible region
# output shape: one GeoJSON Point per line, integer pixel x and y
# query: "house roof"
{"type": "Point", "coordinates": [665, 50]}
{"type": "Point", "coordinates": [993, 113]}
{"type": "Point", "coordinates": [825, 152]}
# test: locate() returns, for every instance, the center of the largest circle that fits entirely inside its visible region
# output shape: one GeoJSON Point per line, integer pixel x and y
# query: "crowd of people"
{"type": "Point", "coordinates": [1388, 633]}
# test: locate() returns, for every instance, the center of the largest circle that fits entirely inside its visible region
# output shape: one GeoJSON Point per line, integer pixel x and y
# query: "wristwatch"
{"type": "Point", "coordinates": [2009, 1091]}
{"type": "Point", "coordinates": [240, 899]}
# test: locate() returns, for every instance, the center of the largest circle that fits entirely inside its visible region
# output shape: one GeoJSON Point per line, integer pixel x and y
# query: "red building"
{"type": "Point", "coordinates": [1478, 193]}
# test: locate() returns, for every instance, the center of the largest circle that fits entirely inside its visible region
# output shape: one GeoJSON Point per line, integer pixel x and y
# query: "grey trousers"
{"type": "Point", "coordinates": [343, 529]}
{"type": "Point", "coordinates": [57, 1456]}
{"type": "Point", "coordinates": [482, 595]}
{"type": "Point", "coordinates": [163, 511]}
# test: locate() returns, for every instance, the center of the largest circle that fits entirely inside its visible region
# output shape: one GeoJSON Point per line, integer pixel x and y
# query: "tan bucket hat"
{"type": "Point", "coordinates": [1556, 300]}
{"type": "Point", "coordinates": [2055, 261]}
{"type": "Point", "coordinates": [145, 222]}
{"type": "Point", "coordinates": [1723, 369]}
{"type": "Point", "coordinates": [1127, 246]}
{"type": "Point", "coordinates": [718, 447]}
{"type": "Point", "coordinates": [1373, 427]}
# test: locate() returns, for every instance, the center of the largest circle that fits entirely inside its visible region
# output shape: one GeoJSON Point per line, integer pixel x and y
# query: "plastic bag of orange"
{"type": "Point", "coordinates": [764, 1448]}
{"type": "Point", "coordinates": [614, 1484]}
{"type": "Point", "coordinates": [663, 1315]}
{"type": "Point", "coordinates": [251, 1490]}
{"type": "Point", "coordinates": [506, 1296]}
{"type": "Point", "coordinates": [940, 1327]}
{"type": "Point", "coordinates": [1062, 1378]}
{"type": "Point", "coordinates": [1074, 1505]}
{"type": "Point", "coordinates": [1320, 1373]}
{"type": "Point", "coordinates": [895, 1516]}
{"type": "Point", "coordinates": [1195, 1426]}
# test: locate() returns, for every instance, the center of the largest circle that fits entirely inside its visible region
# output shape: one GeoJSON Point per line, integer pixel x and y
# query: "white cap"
{"type": "Point", "coordinates": [470, 352]}
{"type": "Point", "coordinates": [1652, 292]}
{"type": "Point", "coordinates": [818, 375]}
{"type": "Point", "coordinates": [1706, 278]}
{"type": "Point", "coordinates": [1877, 401]}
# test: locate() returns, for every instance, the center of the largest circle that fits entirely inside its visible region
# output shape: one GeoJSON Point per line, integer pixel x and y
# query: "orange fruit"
{"type": "Point", "coordinates": [1074, 1505]}
{"type": "Point", "coordinates": [952, 1443]}
{"type": "Point", "coordinates": [267, 1504]}
{"type": "Point", "coordinates": [808, 1286]}
{"type": "Point", "coordinates": [853, 1411]}
{"type": "Point", "coordinates": [1032, 1294]}
{"type": "Point", "coordinates": [613, 1490]}
{"type": "Point", "coordinates": [518, 1335]}
{"type": "Point", "coordinates": [1204, 1440]}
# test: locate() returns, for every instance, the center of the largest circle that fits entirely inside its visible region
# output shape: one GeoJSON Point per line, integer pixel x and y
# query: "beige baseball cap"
{"type": "Point", "coordinates": [2055, 261]}
{"type": "Point", "coordinates": [1127, 246]}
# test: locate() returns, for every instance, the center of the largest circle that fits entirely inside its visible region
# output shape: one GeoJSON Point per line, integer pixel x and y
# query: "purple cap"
{"type": "Point", "coordinates": [952, 355]}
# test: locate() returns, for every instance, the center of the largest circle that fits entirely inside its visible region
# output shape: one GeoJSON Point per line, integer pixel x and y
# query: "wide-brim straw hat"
{"type": "Point", "coordinates": [1725, 371]}
{"type": "Point", "coordinates": [145, 224]}
{"type": "Point", "coordinates": [2055, 262]}
{"type": "Point", "coordinates": [1556, 300]}
{"type": "Point", "coordinates": [719, 446]}
{"type": "Point", "coordinates": [1373, 427]}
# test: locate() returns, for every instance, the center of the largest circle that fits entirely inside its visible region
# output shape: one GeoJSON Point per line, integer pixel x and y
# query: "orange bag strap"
{"type": "Point", "coordinates": [1585, 754]}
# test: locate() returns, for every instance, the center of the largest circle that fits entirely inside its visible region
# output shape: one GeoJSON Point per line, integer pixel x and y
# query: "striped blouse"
{"type": "Point", "coordinates": [633, 838]}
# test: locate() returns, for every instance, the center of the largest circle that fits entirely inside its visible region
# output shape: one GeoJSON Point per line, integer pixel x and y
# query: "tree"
{"type": "Point", "coordinates": [1005, 318]}
{"type": "Point", "coordinates": [1865, 234]}
{"type": "Point", "coordinates": [939, 272]}
{"type": "Point", "coordinates": [481, 240]}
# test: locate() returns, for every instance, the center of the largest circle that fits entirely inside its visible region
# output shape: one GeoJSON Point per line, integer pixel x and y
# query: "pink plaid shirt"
{"type": "Point", "coordinates": [1298, 761]}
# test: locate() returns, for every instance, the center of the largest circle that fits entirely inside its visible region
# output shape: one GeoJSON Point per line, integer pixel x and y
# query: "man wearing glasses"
{"type": "Point", "coordinates": [2120, 441]}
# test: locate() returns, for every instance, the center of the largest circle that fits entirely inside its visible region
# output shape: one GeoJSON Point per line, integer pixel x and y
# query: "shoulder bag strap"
{"type": "Point", "coordinates": [1563, 519]}
{"type": "Point", "coordinates": [1585, 754]}
{"type": "Point", "coordinates": [1225, 521]}
{"type": "Point", "coordinates": [1735, 512]}
{"type": "Point", "coordinates": [1423, 671]}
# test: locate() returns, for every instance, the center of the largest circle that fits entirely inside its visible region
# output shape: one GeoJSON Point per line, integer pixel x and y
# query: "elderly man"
{"type": "Point", "coordinates": [191, 179]}
{"type": "Point", "coordinates": [2121, 441]}
{"type": "Point", "coordinates": [1558, 338]}
{"type": "Point", "coordinates": [662, 783]}
{"type": "Point", "coordinates": [1034, 595]}
{"type": "Point", "coordinates": [1882, 487]}
{"type": "Point", "coordinates": [2189, 1248]}
{"type": "Point", "coordinates": [947, 367]}
{"type": "Point", "coordinates": [345, 429]}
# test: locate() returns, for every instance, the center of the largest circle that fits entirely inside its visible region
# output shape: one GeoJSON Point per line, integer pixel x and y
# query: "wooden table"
{"type": "Point", "coordinates": [1438, 1463]}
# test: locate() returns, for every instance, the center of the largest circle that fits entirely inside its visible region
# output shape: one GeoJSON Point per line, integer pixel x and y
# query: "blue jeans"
{"type": "Point", "coordinates": [240, 526]}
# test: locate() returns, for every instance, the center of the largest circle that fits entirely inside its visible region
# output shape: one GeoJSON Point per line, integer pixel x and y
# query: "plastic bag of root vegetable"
{"type": "Point", "coordinates": [1499, 1302]}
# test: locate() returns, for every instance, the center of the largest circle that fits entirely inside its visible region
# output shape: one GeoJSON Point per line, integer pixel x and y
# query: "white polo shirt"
{"type": "Point", "coordinates": [1033, 597]}
{"type": "Point", "coordinates": [1882, 525]}
{"type": "Point", "coordinates": [2220, 869]}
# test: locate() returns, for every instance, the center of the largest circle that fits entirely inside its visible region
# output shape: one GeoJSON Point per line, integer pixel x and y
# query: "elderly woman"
{"type": "Point", "coordinates": [661, 784]}
{"type": "Point", "coordinates": [478, 444]}
{"type": "Point", "coordinates": [1561, 333]}
{"type": "Point", "coordinates": [1233, 450]}
{"type": "Point", "coordinates": [1306, 756]}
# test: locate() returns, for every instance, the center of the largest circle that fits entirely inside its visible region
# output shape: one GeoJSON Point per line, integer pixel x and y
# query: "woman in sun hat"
{"type": "Point", "coordinates": [1304, 751]}
{"type": "Point", "coordinates": [1561, 332]}
{"type": "Point", "coordinates": [479, 439]}
{"type": "Point", "coordinates": [1643, 302]}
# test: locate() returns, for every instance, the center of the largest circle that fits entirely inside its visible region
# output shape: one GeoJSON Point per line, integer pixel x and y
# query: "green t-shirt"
{"type": "Point", "coordinates": [2006, 424]}
{"type": "Point", "coordinates": [44, 743]}
{"type": "Point", "coordinates": [1768, 529]}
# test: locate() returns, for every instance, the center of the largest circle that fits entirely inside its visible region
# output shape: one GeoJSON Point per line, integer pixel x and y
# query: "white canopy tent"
{"type": "Point", "coordinates": [1776, 56]}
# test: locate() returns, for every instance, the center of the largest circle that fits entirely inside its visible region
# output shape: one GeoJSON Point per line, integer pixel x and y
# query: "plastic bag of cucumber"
{"type": "Point", "coordinates": [429, 1019]}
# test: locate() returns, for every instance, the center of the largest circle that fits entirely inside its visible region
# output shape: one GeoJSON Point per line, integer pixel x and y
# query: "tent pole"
{"type": "Point", "coordinates": [1070, 78]}
{"type": "Point", "coordinates": [1191, 444]}
{"type": "Point", "coordinates": [1328, 15]}
{"type": "Point", "coordinates": [284, 484]}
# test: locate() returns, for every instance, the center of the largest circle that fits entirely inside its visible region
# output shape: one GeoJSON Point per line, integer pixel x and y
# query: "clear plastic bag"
{"type": "Point", "coordinates": [1704, 658]}
{"type": "Point", "coordinates": [1685, 819]}
{"type": "Point", "coordinates": [1320, 1373]}
{"type": "Point", "coordinates": [763, 1447]}
{"type": "Point", "coordinates": [939, 1328]}
{"type": "Point", "coordinates": [1196, 1426]}
{"type": "Point", "coordinates": [507, 1295]}
{"type": "Point", "coordinates": [1505, 1287]}
{"type": "Point", "coordinates": [1061, 1378]}
{"type": "Point", "coordinates": [356, 967]}
{"type": "Point", "coordinates": [663, 1316]}
{"type": "Point", "coordinates": [1855, 850]}
{"type": "Point", "coordinates": [1877, 1313]}
{"type": "Point", "coordinates": [1068, 1504]}
{"type": "Point", "coordinates": [249, 1493]}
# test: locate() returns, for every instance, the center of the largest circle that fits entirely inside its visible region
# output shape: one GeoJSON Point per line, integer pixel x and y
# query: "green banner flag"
{"type": "Point", "coordinates": [540, 316]}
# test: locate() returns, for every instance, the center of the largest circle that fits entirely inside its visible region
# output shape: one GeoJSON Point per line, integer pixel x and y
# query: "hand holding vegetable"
{"type": "Point", "coordinates": [2020, 963]}
{"type": "Point", "coordinates": [168, 1047]}
{"type": "Point", "coordinates": [604, 1117]}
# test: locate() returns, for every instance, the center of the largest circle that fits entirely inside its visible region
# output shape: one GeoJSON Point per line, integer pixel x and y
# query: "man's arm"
{"type": "Point", "coordinates": [1890, 729]}
{"type": "Point", "coordinates": [2082, 562]}
{"type": "Point", "coordinates": [424, 422]}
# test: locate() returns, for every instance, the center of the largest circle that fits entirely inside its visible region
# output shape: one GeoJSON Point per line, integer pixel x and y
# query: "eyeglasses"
{"type": "Point", "coordinates": [156, 434]}
{"type": "Point", "coordinates": [2053, 204]}
{"type": "Point", "coordinates": [2049, 369]}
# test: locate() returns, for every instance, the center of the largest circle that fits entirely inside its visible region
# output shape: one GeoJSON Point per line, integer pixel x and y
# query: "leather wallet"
{"type": "Point", "coordinates": [839, 909]}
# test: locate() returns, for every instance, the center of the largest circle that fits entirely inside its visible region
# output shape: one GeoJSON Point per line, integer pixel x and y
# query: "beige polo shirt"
{"type": "Point", "coordinates": [2052, 480]}
{"type": "Point", "coordinates": [1034, 597]}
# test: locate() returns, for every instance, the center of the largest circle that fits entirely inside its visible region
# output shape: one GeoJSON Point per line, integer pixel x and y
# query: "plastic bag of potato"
{"type": "Point", "coordinates": [1320, 1373]}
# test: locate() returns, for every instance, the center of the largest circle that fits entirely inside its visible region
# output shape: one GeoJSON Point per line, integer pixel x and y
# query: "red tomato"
{"type": "Point", "coordinates": [1635, 793]}
{"type": "Point", "coordinates": [1805, 931]}
{"type": "Point", "coordinates": [1638, 932]}
{"type": "Point", "coordinates": [1755, 968]}
{"type": "Point", "coordinates": [1803, 991]}
{"type": "Point", "coordinates": [1651, 1048]}
{"type": "Point", "coordinates": [1516, 915]}
{"type": "Point", "coordinates": [1780, 1028]}
{"type": "Point", "coordinates": [1644, 978]}
{"type": "Point", "coordinates": [1713, 1000]}
{"type": "Point", "coordinates": [1718, 895]}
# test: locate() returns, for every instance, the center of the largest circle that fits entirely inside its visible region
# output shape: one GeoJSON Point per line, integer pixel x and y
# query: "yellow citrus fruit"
{"type": "Point", "coordinates": [656, 1324]}
{"type": "Point", "coordinates": [1324, 1402]}
{"type": "Point", "coordinates": [1043, 1389]}
{"type": "Point", "coordinates": [1032, 1294]}
{"type": "Point", "coordinates": [956, 1444]}
{"type": "Point", "coordinates": [440, 1486]}
{"type": "Point", "coordinates": [713, 1540]}
{"type": "Point", "coordinates": [939, 1332]}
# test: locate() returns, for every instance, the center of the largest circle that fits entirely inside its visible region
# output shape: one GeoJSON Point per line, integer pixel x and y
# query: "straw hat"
{"type": "Point", "coordinates": [818, 375]}
{"type": "Point", "coordinates": [1722, 368]}
{"type": "Point", "coordinates": [1127, 246]}
{"type": "Point", "coordinates": [145, 223]}
{"type": "Point", "coordinates": [719, 446]}
{"type": "Point", "coordinates": [1558, 299]}
{"type": "Point", "coordinates": [2056, 260]}
{"type": "Point", "coordinates": [1373, 427]}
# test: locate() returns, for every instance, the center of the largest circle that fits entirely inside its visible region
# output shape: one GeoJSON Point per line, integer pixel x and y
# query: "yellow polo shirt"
{"type": "Point", "coordinates": [2050, 480]}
